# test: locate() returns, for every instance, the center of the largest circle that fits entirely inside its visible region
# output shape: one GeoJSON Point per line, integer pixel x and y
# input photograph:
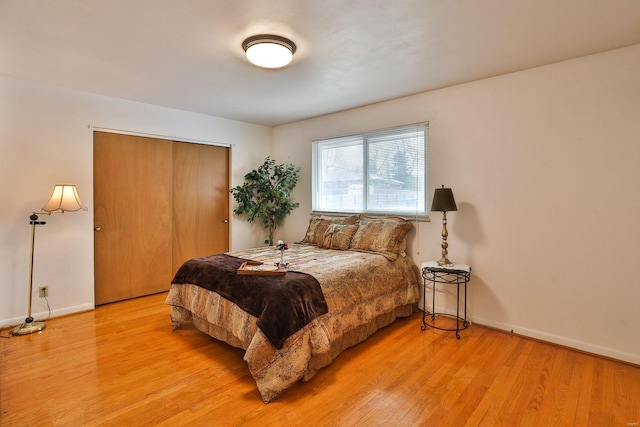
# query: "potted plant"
{"type": "Point", "coordinates": [266, 194]}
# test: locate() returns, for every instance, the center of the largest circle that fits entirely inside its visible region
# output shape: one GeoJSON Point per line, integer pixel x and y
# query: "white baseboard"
{"type": "Point", "coordinates": [539, 335]}
{"type": "Point", "coordinates": [560, 340]}
{"type": "Point", "coordinates": [43, 315]}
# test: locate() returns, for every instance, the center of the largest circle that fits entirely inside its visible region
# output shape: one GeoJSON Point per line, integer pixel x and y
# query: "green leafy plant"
{"type": "Point", "coordinates": [266, 194]}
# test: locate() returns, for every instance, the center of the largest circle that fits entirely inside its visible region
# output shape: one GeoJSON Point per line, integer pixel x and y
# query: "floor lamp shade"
{"type": "Point", "coordinates": [64, 198]}
{"type": "Point", "coordinates": [444, 202]}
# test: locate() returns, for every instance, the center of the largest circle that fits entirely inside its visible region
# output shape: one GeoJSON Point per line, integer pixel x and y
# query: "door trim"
{"type": "Point", "coordinates": [159, 136]}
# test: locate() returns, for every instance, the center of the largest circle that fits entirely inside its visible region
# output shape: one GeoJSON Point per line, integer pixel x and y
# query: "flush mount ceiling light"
{"type": "Point", "coordinates": [269, 51]}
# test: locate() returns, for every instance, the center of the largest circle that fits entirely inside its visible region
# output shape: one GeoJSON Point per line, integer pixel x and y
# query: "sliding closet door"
{"type": "Point", "coordinates": [157, 204]}
{"type": "Point", "coordinates": [132, 216]}
{"type": "Point", "coordinates": [200, 201]}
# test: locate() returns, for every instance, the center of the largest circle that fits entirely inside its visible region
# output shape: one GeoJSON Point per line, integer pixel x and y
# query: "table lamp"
{"type": "Point", "coordinates": [444, 202]}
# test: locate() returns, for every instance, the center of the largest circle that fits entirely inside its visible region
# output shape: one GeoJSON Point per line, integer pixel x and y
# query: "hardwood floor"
{"type": "Point", "coordinates": [123, 365]}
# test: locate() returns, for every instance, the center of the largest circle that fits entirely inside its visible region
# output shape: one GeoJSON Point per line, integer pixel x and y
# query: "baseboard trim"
{"type": "Point", "coordinates": [562, 341]}
{"type": "Point", "coordinates": [42, 316]}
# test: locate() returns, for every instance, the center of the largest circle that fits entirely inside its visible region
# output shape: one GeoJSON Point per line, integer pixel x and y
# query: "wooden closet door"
{"type": "Point", "coordinates": [200, 201]}
{"type": "Point", "coordinates": [132, 216]}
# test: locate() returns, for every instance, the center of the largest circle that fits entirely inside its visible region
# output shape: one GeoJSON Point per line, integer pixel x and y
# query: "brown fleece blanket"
{"type": "Point", "coordinates": [282, 304]}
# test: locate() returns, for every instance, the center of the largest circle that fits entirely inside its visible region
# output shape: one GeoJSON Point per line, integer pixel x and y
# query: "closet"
{"type": "Point", "coordinates": [157, 203]}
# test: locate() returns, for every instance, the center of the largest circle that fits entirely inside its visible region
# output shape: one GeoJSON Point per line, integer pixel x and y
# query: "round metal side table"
{"type": "Point", "coordinates": [452, 274]}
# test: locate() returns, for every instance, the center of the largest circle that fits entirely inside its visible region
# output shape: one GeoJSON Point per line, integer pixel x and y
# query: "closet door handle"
{"type": "Point", "coordinates": [226, 221]}
{"type": "Point", "coordinates": [98, 228]}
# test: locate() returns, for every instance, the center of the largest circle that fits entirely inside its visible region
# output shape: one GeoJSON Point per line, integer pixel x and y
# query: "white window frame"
{"type": "Point", "coordinates": [363, 139]}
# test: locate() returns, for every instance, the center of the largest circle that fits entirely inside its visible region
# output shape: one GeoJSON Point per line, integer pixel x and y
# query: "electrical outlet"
{"type": "Point", "coordinates": [43, 291]}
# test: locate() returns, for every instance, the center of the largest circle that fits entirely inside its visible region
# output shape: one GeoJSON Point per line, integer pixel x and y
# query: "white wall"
{"type": "Point", "coordinates": [46, 138]}
{"type": "Point", "coordinates": [544, 167]}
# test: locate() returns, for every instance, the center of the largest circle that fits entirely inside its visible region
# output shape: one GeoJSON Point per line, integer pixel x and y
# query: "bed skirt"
{"type": "Point", "coordinates": [274, 371]}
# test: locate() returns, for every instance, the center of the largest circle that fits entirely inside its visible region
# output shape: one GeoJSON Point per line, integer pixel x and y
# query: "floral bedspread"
{"type": "Point", "coordinates": [364, 292]}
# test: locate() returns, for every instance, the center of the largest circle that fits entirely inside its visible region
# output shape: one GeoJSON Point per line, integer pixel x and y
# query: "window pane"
{"type": "Point", "coordinates": [392, 179]}
{"type": "Point", "coordinates": [340, 176]}
{"type": "Point", "coordinates": [396, 173]}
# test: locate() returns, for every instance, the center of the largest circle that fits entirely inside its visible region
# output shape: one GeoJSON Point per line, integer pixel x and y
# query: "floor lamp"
{"type": "Point", "coordinates": [64, 198]}
{"type": "Point", "coordinates": [443, 201]}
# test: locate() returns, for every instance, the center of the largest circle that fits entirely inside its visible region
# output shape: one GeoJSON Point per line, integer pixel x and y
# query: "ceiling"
{"type": "Point", "coordinates": [187, 54]}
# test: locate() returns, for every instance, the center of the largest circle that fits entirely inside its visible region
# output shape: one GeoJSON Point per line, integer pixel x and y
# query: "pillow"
{"type": "Point", "coordinates": [318, 225]}
{"type": "Point", "coordinates": [338, 236]}
{"type": "Point", "coordinates": [402, 246]}
{"type": "Point", "coordinates": [309, 236]}
{"type": "Point", "coordinates": [383, 236]}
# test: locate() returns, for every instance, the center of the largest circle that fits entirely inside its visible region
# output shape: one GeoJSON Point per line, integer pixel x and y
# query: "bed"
{"type": "Point", "coordinates": [365, 282]}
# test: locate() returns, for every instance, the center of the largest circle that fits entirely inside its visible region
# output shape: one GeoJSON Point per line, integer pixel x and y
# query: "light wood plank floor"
{"type": "Point", "coordinates": [123, 365]}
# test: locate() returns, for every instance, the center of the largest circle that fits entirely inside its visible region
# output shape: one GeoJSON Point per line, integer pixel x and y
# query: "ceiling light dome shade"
{"type": "Point", "coordinates": [269, 51]}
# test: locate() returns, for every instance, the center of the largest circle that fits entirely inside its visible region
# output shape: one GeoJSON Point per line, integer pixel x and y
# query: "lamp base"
{"type": "Point", "coordinates": [28, 328]}
{"type": "Point", "coordinates": [444, 261]}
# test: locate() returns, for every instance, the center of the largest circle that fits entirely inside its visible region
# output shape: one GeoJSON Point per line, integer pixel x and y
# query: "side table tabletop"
{"type": "Point", "coordinates": [452, 274]}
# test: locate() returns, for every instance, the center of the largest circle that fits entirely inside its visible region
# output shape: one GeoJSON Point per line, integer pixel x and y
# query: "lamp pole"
{"type": "Point", "coordinates": [29, 326]}
{"type": "Point", "coordinates": [445, 254]}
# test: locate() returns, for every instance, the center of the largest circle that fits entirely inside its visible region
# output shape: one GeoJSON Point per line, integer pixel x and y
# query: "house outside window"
{"type": "Point", "coordinates": [382, 172]}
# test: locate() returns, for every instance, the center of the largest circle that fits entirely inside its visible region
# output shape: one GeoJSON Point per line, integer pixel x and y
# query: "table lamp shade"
{"type": "Point", "coordinates": [443, 200]}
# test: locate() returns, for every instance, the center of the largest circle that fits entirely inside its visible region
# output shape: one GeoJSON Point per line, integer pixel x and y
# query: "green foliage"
{"type": "Point", "coordinates": [266, 195]}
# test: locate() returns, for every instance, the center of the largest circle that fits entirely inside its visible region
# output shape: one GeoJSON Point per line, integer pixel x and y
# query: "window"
{"type": "Point", "coordinates": [390, 164]}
